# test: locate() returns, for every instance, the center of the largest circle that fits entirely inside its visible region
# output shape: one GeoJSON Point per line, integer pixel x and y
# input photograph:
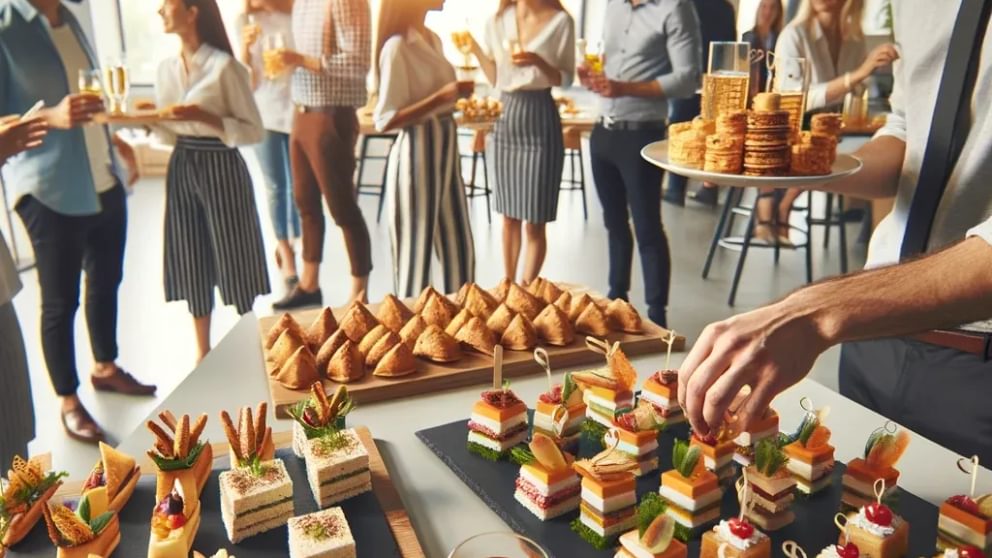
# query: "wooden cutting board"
{"type": "Point", "coordinates": [472, 369]}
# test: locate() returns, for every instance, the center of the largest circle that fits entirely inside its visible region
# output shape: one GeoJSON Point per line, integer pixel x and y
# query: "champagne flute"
{"type": "Point", "coordinates": [725, 85]}
{"type": "Point", "coordinates": [117, 85]}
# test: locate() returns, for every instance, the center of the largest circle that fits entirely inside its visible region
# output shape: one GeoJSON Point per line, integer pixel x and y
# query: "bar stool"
{"type": "Point", "coordinates": [574, 157]}
{"type": "Point", "coordinates": [374, 188]}
{"type": "Point", "coordinates": [830, 220]}
{"type": "Point", "coordinates": [477, 153]}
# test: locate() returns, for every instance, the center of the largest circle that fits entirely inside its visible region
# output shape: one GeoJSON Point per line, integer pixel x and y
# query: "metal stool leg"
{"type": "Point", "coordinates": [582, 181]}
{"type": "Point", "coordinates": [382, 190]}
{"type": "Point", "coordinates": [719, 232]}
{"type": "Point", "coordinates": [740, 259]}
{"type": "Point", "coordinates": [828, 216]}
{"type": "Point", "coordinates": [809, 237]}
{"type": "Point", "coordinates": [485, 179]}
{"type": "Point", "coordinates": [843, 235]}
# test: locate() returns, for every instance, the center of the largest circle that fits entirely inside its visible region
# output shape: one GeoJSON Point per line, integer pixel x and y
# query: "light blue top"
{"type": "Point", "coordinates": [655, 40]}
{"type": "Point", "coordinates": [58, 173]}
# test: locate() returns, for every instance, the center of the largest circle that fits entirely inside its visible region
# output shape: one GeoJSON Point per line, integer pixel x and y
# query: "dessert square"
{"type": "Point", "coordinates": [252, 504]}
{"type": "Point", "coordinates": [603, 405]}
{"type": "Point", "coordinates": [957, 527]}
{"type": "Point", "coordinates": [337, 467]}
{"type": "Point", "coordinates": [547, 495]}
{"type": "Point", "coordinates": [875, 541]}
{"type": "Point", "coordinates": [757, 546]}
{"type": "Point", "coordinates": [324, 534]}
{"type": "Point", "coordinates": [631, 547]}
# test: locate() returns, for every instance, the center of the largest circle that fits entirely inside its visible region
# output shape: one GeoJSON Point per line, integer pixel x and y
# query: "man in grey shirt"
{"type": "Point", "coordinates": [895, 358]}
{"type": "Point", "coordinates": [653, 53]}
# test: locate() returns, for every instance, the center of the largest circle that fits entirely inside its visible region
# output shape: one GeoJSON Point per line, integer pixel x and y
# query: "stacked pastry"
{"type": "Point", "coordinates": [687, 145]}
{"type": "Point", "coordinates": [762, 428]}
{"type": "Point", "coordinates": [654, 535]}
{"type": "Point", "coordinates": [560, 413]}
{"type": "Point", "coordinates": [813, 154]}
{"type": "Point", "coordinates": [811, 457]}
{"type": "Point", "coordinates": [608, 497]}
{"type": "Point", "coordinates": [692, 492]}
{"type": "Point", "coordinates": [766, 145]}
{"type": "Point", "coordinates": [547, 486]}
{"type": "Point", "coordinates": [882, 453]}
{"type": "Point", "coordinates": [180, 456]}
{"type": "Point", "coordinates": [725, 148]}
{"type": "Point", "coordinates": [718, 453]}
{"type": "Point", "coordinates": [828, 124]}
{"type": "Point", "coordinates": [608, 392]}
{"type": "Point", "coordinates": [773, 487]}
{"type": "Point", "coordinates": [498, 423]}
{"type": "Point", "coordinates": [660, 392]}
{"type": "Point", "coordinates": [638, 431]}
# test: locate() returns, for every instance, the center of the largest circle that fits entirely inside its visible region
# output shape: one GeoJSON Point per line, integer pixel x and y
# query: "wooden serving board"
{"type": "Point", "coordinates": [131, 118]}
{"type": "Point", "coordinates": [472, 369]}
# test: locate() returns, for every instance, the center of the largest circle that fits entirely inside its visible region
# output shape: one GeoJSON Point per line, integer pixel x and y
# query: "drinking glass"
{"type": "Point", "coordinates": [726, 80]}
{"type": "Point", "coordinates": [790, 79]}
{"type": "Point", "coordinates": [466, 80]}
{"type": "Point", "coordinates": [117, 85]}
{"type": "Point", "coordinates": [502, 545]}
{"type": "Point", "coordinates": [594, 58]}
{"type": "Point", "coordinates": [89, 82]}
{"type": "Point", "coordinates": [271, 45]}
{"type": "Point", "coordinates": [855, 113]}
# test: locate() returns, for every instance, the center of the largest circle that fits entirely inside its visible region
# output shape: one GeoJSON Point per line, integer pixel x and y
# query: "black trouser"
{"type": "Point", "coordinates": [64, 246]}
{"type": "Point", "coordinates": [943, 394]}
{"type": "Point", "coordinates": [628, 186]}
{"type": "Point", "coordinates": [681, 110]}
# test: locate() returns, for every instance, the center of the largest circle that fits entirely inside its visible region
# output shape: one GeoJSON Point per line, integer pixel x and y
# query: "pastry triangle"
{"type": "Point", "coordinates": [502, 289]}
{"type": "Point", "coordinates": [381, 347]}
{"type": "Point", "coordinates": [578, 305]}
{"type": "Point", "coordinates": [458, 321]}
{"type": "Point", "coordinates": [370, 339]}
{"type": "Point", "coordinates": [328, 349]}
{"type": "Point", "coordinates": [592, 321]}
{"type": "Point", "coordinates": [397, 362]}
{"type": "Point", "coordinates": [300, 371]}
{"type": "Point", "coordinates": [393, 313]}
{"type": "Point", "coordinates": [321, 329]}
{"type": "Point", "coordinates": [522, 302]}
{"type": "Point", "coordinates": [285, 322]}
{"type": "Point", "coordinates": [284, 347]}
{"type": "Point", "coordinates": [347, 364]}
{"type": "Point", "coordinates": [475, 334]}
{"type": "Point", "coordinates": [412, 330]}
{"type": "Point", "coordinates": [623, 316]}
{"type": "Point", "coordinates": [480, 303]}
{"type": "Point", "coordinates": [422, 299]}
{"type": "Point", "coordinates": [434, 344]}
{"type": "Point", "coordinates": [500, 319]}
{"type": "Point", "coordinates": [462, 293]}
{"type": "Point", "coordinates": [536, 286]}
{"type": "Point", "coordinates": [358, 321]}
{"type": "Point", "coordinates": [564, 302]}
{"type": "Point", "coordinates": [117, 467]}
{"type": "Point", "coordinates": [520, 335]}
{"type": "Point", "coordinates": [553, 326]}
{"type": "Point", "coordinates": [435, 312]}
{"type": "Point", "coordinates": [550, 292]}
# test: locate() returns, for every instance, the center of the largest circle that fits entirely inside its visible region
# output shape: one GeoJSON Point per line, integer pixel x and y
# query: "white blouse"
{"type": "Point", "coordinates": [219, 84]}
{"type": "Point", "coordinates": [272, 95]}
{"type": "Point", "coordinates": [799, 40]}
{"type": "Point", "coordinates": [555, 43]}
{"type": "Point", "coordinates": [411, 68]}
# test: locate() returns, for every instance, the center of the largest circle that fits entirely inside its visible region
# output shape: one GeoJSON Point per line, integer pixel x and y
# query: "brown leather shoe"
{"type": "Point", "coordinates": [79, 425]}
{"type": "Point", "coordinates": [121, 382]}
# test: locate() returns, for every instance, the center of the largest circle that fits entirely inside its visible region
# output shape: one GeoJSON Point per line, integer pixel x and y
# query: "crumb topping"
{"type": "Point", "coordinates": [321, 528]}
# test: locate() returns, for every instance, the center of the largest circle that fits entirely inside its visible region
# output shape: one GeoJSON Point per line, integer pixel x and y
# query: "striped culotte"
{"type": "Point", "coordinates": [528, 154]}
{"type": "Point", "coordinates": [427, 208]}
{"type": "Point", "coordinates": [212, 235]}
{"type": "Point", "coordinates": [16, 411]}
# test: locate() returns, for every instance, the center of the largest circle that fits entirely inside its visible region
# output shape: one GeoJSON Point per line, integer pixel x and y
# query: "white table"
{"type": "Point", "coordinates": [443, 510]}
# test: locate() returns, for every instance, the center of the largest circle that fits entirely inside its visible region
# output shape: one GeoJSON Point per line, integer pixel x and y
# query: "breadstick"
{"type": "Point", "coordinates": [232, 434]}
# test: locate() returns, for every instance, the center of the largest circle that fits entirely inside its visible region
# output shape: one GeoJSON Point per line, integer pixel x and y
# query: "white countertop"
{"type": "Point", "coordinates": [443, 510]}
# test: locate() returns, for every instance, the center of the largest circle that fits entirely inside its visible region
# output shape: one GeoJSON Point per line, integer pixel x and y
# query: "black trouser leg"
{"type": "Point", "coordinates": [103, 260]}
{"type": "Point", "coordinates": [681, 110]}
{"type": "Point", "coordinates": [612, 194]}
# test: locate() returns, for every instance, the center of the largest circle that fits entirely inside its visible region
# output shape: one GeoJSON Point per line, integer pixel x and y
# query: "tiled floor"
{"type": "Point", "coordinates": [156, 338]}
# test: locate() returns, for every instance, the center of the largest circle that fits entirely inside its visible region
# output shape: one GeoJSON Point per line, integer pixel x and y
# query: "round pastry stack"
{"type": "Point", "coordinates": [766, 145]}
{"type": "Point", "coordinates": [828, 124]}
{"type": "Point", "coordinates": [725, 148]}
{"type": "Point", "coordinates": [812, 154]}
{"type": "Point", "coordinates": [686, 144]}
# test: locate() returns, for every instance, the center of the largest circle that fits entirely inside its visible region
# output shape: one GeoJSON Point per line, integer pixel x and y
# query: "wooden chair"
{"type": "Point", "coordinates": [576, 181]}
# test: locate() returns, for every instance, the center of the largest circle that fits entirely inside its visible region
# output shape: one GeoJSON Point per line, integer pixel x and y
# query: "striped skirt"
{"type": "Point", "coordinates": [428, 212]}
{"type": "Point", "coordinates": [16, 411]}
{"type": "Point", "coordinates": [212, 235]}
{"type": "Point", "coordinates": [527, 153]}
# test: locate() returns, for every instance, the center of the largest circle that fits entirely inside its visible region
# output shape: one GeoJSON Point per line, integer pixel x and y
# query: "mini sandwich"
{"type": "Point", "coordinates": [771, 486]}
{"type": "Point", "coordinates": [965, 522]}
{"type": "Point", "coordinates": [175, 521]}
{"type": "Point", "coordinates": [257, 494]}
{"type": "Point", "coordinates": [661, 391]}
{"type": "Point", "coordinates": [111, 482]}
{"type": "Point", "coordinates": [24, 497]}
{"type": "Point", "coordinates": [608, 497]}
{"type": "Point", "coordinates": [608, 391]}
{"type": "Point", "coordinates": [80, 534]}
{"type": "Point", "coordinates": [692, 493]}
{"type": "Point", "coordinates": [547, 486]}
{"type": "Point", "coordinates": [324, 534]}
{"type": "Point", "coordinates": [560, 412]}
{"type": "Point", "coordinates": [317, 416]}
{"type": "Point", "coordinates": [638, 432]}
{"type": "Point", "coordinates": [877, 532]}
{"type": "Point", "coordinates": [337, 467]}
{"type": "Point", "coordinates": [498, 423]}
{"type": "Point", "coordinates": [180, 455]}
{"type": "Point", "coordinates": [718, 454]}
{"type": "Point", "coordinates": [811, 457]}
{"type": "Point", "coordinates": [738, 538]}
{"type": "Point", "coordinates": [763, 428]}
{"type": "Point", "coordinates": [654, 536]}
{"type": "Point", "coordinates": [882, 453]}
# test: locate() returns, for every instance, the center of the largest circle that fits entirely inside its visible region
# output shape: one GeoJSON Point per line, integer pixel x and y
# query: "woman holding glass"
{"type": "Point", "coordinates": [828, 35]}
{"type": "Point", "coordinates": [267, 25]}
{"type": "Point", "coordinates": [212, 234]}
{"type": "Point", "coordinates": [529, 48]}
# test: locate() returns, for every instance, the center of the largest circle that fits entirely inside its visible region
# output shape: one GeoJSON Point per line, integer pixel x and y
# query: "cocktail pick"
{"type": "Point", "coordinates": [770, 65]}
{"type": "Point", "coordinates": [670, 341]}
{"type": "Point", "coordinates": [841, 521]}
{"type": "Point", "coordinates": [973, 472]}
{"type": "Point", "coordinates": [602, 347]}
{"type": "Point", "coordinates": [744, 494]}
{"type": "Point", "coordinates": [498, 367]}
{"type": "Point", "coordinates": [542, 358]}
{"type": "Point", "coordinates": [792, 550]}
{"type": "Point", "coordinates": [611, 439]}
{"type": "Point", "coordinates": [879, 488]}
{"type": "Point", "coordinates": [806, 404]}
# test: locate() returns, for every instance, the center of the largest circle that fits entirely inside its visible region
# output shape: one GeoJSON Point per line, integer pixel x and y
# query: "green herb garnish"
{"type": "Point", "coordinates": [568, 386]}
{"type": "Point", "coordinates": [253, 465]}
{"type": "Point", "coordinates": [769, 457]}
{"type": "Point", "coordinates": [177, 464]}
{"type": "Point", "coordinates": [333, 441]}
{"type": "Point", "coordinates": [810, 422]}
{"type": "Point", "coordinates": [484, 452]}
{"type": "Point", "coordinates": [84, 509]}
{"type": "Point", "coordinates": [685, 457]}
{"type": "Point", "coordinates": [652, 505]}
{"type": "Point", "coordinates": [522, 456]}
{"type": "Point", "coordinates": [590, 536]}
{"type": "Point", "coordinates": [593, 430]}
{"type": "Point", "coordinates": [335, 424]}
{"type": "Point", "coordinates": [100, 522]}
{"type": "Point", "coordinates": [317, 531]}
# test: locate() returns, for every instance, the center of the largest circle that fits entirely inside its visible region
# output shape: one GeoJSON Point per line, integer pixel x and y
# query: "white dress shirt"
{"type": "Point", "coordinates": [555, 43]}
{"type": "Point", "coordinates": [411, 68]}
{"type": "Point", "coordinates": [272, 96]}
{"type": "Point", "coordinates": [966, 207]}
{"type": "Point", "coordinates": [219, 84]}
{"type": "Point", "coordinates": [799, 40]}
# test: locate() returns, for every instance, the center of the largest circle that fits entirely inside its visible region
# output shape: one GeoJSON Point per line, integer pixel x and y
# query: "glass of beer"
{"type": "Point", "coordinates": [501, 545]}
{"type": "Point", "coordinates": [790, 79]}
{"type": "Point", "coordinates": [726, 81]}
{"type": "Point", "coordinates": [89, 82]}
{"type": "Point", "coordinates": [594, 58]}
{"type": "Point", "coordinates": [117, 85]}
{"type": "Point", "coordinates": [271, 45]}
{"type": "Point", "coordinates": [466, 80]}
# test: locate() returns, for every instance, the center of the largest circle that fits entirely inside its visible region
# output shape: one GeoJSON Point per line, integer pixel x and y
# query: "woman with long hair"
{"type": "Point", "coordinates": [529, 48]}
{"type": "Point", "coordinates": [417, 93]}
{"type": "Point", "coordinates": [212, 234]}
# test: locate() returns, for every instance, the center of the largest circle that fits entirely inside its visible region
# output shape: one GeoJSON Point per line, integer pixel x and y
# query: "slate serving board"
{"type": "Point", "coordinates": [369, 526]}
{"type": "Point", "coordinates": [813, 528]}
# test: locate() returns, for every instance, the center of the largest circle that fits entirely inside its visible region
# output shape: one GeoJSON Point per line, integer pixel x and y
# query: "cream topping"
{"type": "Point", "coordinates": [861, 522]}
{"type": "Point", "coordinates": [723, 529]}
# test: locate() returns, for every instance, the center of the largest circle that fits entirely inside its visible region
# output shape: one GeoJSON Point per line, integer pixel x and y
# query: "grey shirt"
{"type": "Point", "coordinates": [10, 282]}
{"type": "Point", "coordinates": [655, 40]}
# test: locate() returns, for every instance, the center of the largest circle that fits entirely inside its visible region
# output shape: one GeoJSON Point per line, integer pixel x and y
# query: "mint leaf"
{"type": "Point", "coordinates": [84, 509]}
{"type": "Point", "coordinates": [101, 522]}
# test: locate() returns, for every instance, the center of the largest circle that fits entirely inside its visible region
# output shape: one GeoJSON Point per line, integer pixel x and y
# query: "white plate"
{"type": "Point", "coordinates": [657, 154]}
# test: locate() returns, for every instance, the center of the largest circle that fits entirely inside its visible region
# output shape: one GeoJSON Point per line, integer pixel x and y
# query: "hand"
{"type": "Point", "coordinates": [18, 135]}
{"type": "Point", "coordinates": [288, 59]}
{"type": "Point", "coordinates": [768, 349]}
{"type": "Point", "coordinates": [190, 113]}
{"type": "Point", "coordinates": [586, 75]}
{"type": "Point", "coordinates": [250, 35]}
{"type": "Point", "coordinates": [880, 56]}
{"type": "Point", "coordinates": [127, 154]}
{"type": "Point", "coordinates": [74, 110]}
{"type": "Point", "coordinates": [607, 87]}
{"type": "Point", "coordinates": [453, 91]}
{"type": "Point", "coordinates": [527, 59]}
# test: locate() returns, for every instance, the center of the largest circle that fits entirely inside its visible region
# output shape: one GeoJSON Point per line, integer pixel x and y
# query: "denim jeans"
{"type": "Point", "coordinates": [273, 156]}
